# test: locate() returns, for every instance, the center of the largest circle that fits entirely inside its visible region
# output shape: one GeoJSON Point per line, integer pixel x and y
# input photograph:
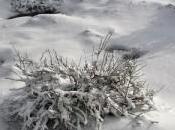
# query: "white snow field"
{"type": "Point", "coordinates": [148, 25]}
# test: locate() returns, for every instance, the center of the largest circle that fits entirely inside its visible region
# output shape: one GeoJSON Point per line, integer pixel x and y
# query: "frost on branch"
{"type": "Point", "coordinates": [36, 6]}
{"type": "Point", "coordinates": [59, 95]}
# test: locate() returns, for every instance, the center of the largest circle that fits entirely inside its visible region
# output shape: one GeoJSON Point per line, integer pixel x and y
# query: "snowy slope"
{"type": "Point", "coordinates": [164, 2]}
{"type": "Point", "coordinates": [148, 25]}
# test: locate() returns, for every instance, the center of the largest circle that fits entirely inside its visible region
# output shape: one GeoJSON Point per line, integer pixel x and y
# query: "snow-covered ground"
{"type": "Point", "coordinates": [148, 25]}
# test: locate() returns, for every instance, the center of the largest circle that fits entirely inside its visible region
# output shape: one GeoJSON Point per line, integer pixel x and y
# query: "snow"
{"type": "Point", "coordinates": [164, 2]}
{"type": "Point", "coordinates": [148, 25]}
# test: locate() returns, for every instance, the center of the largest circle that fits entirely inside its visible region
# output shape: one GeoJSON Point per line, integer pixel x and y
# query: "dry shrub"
{"type": "Point", "coordinates": [61, 95]}
{"type": "Point", "coordinates": [31, 7]}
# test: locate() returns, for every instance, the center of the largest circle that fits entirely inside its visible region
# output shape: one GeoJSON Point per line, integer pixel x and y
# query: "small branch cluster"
{"type": "Point", "coordinates": [36, 6]}
{"type": "Point", "coordinates": [62, 95]}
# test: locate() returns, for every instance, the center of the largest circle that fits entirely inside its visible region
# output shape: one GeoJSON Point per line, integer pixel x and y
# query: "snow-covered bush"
{"type": "Point", "coordinates": [36, 6]}
{"type": "Point", "coordinates": [61, 95]}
